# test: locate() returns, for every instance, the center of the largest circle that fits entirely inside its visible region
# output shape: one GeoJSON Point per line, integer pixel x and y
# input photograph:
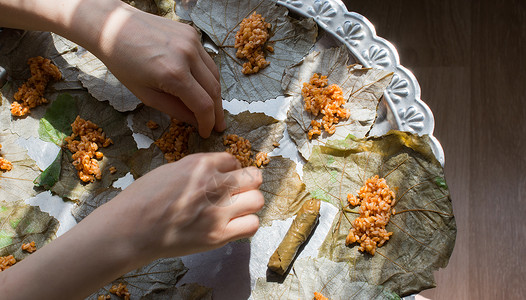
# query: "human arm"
{"type": "Point", "coordinates": [196, 204]}
{"type": "Point", "coordinates": [161, 61]}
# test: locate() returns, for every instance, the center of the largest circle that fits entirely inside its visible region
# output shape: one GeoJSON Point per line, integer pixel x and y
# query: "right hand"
{"type": "Point", "coordinates": [164, 64]}
{"type": "Point", "coordinates": [196, 204]}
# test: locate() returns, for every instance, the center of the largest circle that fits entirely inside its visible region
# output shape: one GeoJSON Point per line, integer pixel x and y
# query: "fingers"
{"type": "Point", "coordinates": [245, 203]}
{"type": "Point", "coordinates": [209, 62]}
{"type": "Point", "coordinates": [242, 227]}
{"type": "Point", "coordinates": [224, 162]}
{"type": "Point", "coordinates": [208, 77]}
{"type": "Point", "coordinates": [172, 106]}
{"type": "Point", "coordinates": [242, 180]}
{"type": "Point", "coordinates": [200, 103]}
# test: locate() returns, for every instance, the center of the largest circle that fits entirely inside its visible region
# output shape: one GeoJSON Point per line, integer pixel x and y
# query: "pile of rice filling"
{"type": "Point", "coordinates": [85, 149]}
{"type": "Point", "coordinates": [251, 38]}
{"type": "Point", "coordinates": [327, 100]}
{"type": "Point", "coordinates": [31, 93]}
{"type": "Point", "coordinates": [375, 200]}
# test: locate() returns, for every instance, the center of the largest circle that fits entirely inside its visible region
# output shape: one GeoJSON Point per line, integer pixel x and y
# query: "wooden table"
{"type": "Point", "coordinates": [469, 57]}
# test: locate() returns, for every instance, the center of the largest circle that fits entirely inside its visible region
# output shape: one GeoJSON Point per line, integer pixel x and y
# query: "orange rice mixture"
{"type": "Point", "coordinates": [29, 247]}
{"type": "Point", "coordinates": [327, 100]}
{"type": "Point", "coordinates": [375, 200]}
{"type": "Point", "coordinates": [121, 291]}
{"type": "Point", "coordinates": [31, 93]}
{"type": "Point", "coordinates": [6, 262]}
{"type": "Point", "coordinates": [5, 165]}
{"type": "Point", "coordinates": [174, 142]}
{"type": "Point", "coordinates": [104, 297]}
{"type": "Point", "coordinates": [112, 170]}
{"type": "Point", "coordinates": [152, 125]}
{"type": "Point", "coordinates": [242, 150]}
{"type": "Point", "coordinates": [250, 41]}
{"type": "Point", "coordinates": [85, 154]}
{"type": "Point", "coordinates": [319, 296]}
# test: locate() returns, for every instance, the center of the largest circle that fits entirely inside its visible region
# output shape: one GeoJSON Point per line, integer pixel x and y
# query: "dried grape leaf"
{"type": "Point", "coordinates": [92, 201]}
{"type": "Point", "coordinates": [187, 291]}
{"type": "Point", "coordinates": [290, 38]}
{"type": "Point", "coordinates": [183, 9]}
{"type": "Point", "coordinates": [423, 227]}
{"type": "Point", "coordinates": [16, 184]}
{"type": "Point", "coordinates": [283, 190]}
{"type": "Point", "coordinates": [61, 53]}
{"type": "Point", "coordinates": [103, 85]}
{"type": "Point", "coordinates": [21, 223]}
{"type": "Point", "coordinates": [145, 160]}
{"type": "Point", "coordinates": [261, 130]}
{"type": "Point", "coordinates": [45, 44]}
{"type": "Point", "coordinates": [163, 8]}
{"type": "Point", "coordinates": [145, 114]}
{"type": "Point", "coordinates": [160, 275]}
{"type": "Point", "coordinates": [114, 124]}
{"type": "Point", "coordinates": [332, 279]}
{"type": "Point", "coordinates": [363, 87]}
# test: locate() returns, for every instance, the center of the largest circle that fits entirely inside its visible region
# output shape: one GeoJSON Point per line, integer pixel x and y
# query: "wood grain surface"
{"type": "Point", "coordinates": [469, 58]}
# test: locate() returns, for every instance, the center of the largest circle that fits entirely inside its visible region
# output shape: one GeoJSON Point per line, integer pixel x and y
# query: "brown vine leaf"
{"type": "Point", "coordinates": [290, 38]}
{"type": "Point", "coordinates": [21, 223]}
{"type": "Point", "coordinates": [156, 277]}
{"type": "Point", "coordinates": [283, 190]}
{"type": "Point", "coordinates": [145, 160]}
{"type": "Point", "coordinates": [31, 44]}
{"type": "Point", "coordinates": [16, 184]}
{"type": "Point", "coordinates": [187, 291]}
{"type": "Point", "coordinates": [145, 114]}
{"type": "Point", "coordinates": [423, 227]}
{"type": "Point", "coordinates": [103, 85]}
{"type": "Point", "coordinates": [332, 279]}
{"type": "Point", "coordinates": [261, 130]}
{"type": "Point", "coordinates": [92, 201]}
{"type": "Point", "coordinates": [363, 87]}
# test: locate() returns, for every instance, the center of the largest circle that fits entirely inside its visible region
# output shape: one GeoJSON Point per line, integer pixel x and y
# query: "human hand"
{"type": "Point", "coordinates": [164, 64]}
{"type": "Point", "coordinates": [196, 204]}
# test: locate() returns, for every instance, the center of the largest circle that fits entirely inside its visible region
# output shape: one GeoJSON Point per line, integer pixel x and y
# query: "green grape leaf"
{"type": "Point", "coordinates": [51, 174]}
{"type": "Point", "coordinates": [56, 123]}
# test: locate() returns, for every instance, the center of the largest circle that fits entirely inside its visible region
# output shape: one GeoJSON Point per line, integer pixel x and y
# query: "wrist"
{"type": "Point", "coordinates": [90, 23]}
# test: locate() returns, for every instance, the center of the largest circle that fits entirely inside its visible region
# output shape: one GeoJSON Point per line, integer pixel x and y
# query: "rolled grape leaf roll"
{"type": "Point", "coordinates": [298, 233]}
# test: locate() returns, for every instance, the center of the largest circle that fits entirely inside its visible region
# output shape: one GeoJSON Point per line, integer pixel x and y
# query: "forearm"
{"type": "Point", "coordinates": [90, 23]}
{"type": "Point", "coordinates": [73, 266]}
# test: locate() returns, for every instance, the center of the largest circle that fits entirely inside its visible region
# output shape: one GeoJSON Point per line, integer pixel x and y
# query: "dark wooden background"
{"type": "Point", "coordinates": [469, 58]}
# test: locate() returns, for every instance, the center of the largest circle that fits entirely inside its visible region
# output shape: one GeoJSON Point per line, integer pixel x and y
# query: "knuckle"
{"type": "Point", "coordinates": [253, 225]}
{"type": "Point", "coordinates": [259, 200]}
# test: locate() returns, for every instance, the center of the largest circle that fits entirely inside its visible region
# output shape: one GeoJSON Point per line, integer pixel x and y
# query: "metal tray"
{"type": "Point", "coordinates": [401, 107]}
